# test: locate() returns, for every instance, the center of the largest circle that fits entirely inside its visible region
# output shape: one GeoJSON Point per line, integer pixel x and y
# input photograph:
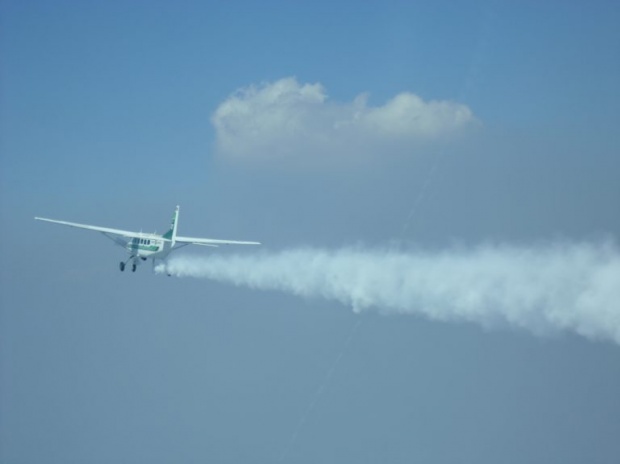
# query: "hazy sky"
{"type": "Point", "coordinates": [433, 127]}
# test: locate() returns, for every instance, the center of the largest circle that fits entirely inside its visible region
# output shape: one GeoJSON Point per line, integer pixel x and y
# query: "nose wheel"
{"type": "Point", "coordinates": [122, 266]}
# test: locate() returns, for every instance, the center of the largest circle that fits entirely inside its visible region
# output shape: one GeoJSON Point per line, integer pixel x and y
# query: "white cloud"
{"type": "Point", "coordinates": [289, 119]}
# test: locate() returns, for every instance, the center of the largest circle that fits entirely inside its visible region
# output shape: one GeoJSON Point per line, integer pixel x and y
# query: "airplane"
{"type": "Point", "coordinates": [143, 246]}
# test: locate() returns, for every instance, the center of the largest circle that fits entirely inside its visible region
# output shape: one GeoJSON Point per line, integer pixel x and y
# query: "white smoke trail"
{"type": "Point", "coordinates": [561, 286]}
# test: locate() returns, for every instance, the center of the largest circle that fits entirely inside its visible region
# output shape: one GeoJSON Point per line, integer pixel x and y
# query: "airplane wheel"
{"type": "Point", "coordinates": [122, 266]}
{"type": "Point", "coordinates": [133, 268]}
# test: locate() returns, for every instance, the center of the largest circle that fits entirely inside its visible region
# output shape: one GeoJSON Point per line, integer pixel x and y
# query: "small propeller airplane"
{"type": "Point", "coordinates": [142, 246]}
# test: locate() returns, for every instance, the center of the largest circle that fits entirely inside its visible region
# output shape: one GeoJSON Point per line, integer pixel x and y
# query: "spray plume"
{"type": "Point", "coordinates": [546, 288]}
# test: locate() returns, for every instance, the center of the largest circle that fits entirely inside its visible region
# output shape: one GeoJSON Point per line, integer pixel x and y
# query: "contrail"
{"type": "Point", "coordinates": [544, 288]}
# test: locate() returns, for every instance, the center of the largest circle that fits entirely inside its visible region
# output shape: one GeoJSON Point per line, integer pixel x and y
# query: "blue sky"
{"type": "Point", "coordinates": [108, 114]}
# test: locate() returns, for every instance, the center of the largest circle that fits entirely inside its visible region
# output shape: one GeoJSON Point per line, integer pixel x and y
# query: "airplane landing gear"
{"type": "Point", "coordinates": [124, 263]}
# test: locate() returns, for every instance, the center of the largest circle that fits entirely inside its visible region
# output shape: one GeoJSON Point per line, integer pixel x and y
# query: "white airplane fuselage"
{"type": "Point", "coordinates": [147, 246]}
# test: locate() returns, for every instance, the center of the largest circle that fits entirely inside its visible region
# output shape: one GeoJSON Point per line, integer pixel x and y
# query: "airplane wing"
{"type": "Point", "coordinates": [107, 230]}
{"type": "Point", "coordinates": [112, 234]}
{"type": "Point", "coordinates": [211, 241]}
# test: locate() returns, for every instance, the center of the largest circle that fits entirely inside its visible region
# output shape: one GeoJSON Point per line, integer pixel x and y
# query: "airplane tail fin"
{"type": "Point", "coordinates": [172, 233]}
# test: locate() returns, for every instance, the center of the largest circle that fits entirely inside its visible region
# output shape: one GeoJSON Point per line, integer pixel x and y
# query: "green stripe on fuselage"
{"type": "Point", "coordinates": [135, 246]}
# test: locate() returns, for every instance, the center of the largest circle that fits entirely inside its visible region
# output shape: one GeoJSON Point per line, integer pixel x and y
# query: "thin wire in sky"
{"type": "Point", "coordinates": [320, 390]}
